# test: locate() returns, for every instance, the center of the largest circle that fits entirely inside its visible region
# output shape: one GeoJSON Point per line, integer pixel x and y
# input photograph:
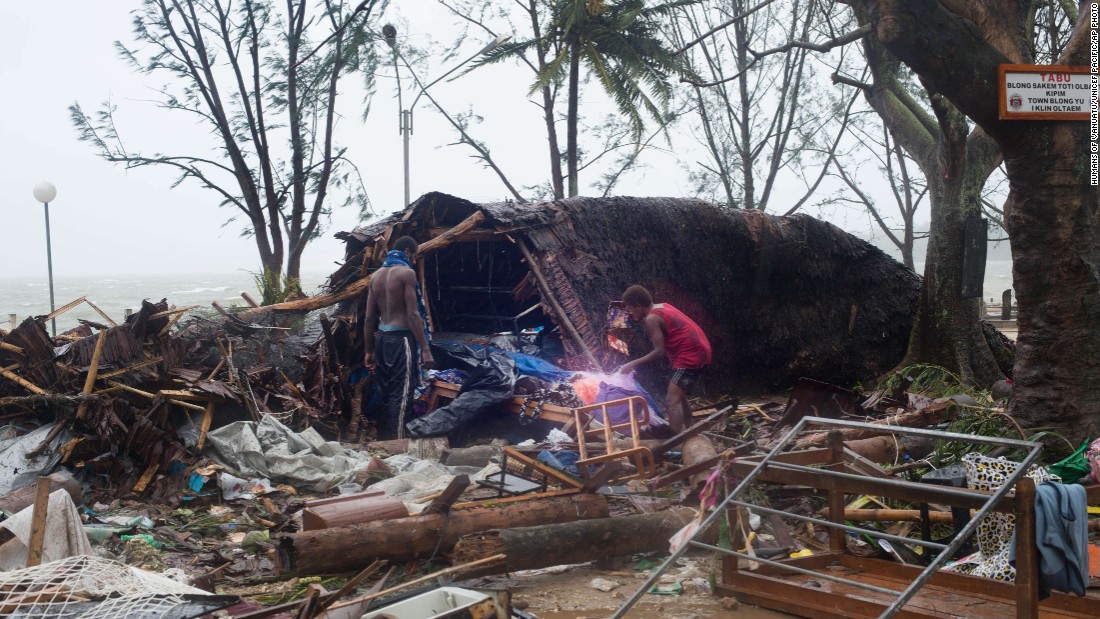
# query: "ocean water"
{"type": "Point", "coordinates": [30, 296]}
{"type": "Point", "coordinates": [998, 278]}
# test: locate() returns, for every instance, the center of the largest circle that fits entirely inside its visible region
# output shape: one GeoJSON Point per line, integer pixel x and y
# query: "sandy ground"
{"type": "Point", "coordinates": [570, 592]}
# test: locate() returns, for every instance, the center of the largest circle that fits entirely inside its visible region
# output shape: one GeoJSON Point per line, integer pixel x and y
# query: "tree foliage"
{"type": "Point", "coordinates": [251, 77]}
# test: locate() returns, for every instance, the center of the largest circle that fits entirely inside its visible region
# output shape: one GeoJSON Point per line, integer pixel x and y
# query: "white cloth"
{"type": "Point", "coordinates": [65, 536]}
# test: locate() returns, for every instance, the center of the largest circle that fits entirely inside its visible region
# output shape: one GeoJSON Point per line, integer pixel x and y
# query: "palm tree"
{"type": "Point", "coordinates": [620, 43]}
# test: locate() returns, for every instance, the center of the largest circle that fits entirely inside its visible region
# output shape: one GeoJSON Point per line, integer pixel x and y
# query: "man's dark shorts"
{"type": "Point", "coordinates": [685, 378]}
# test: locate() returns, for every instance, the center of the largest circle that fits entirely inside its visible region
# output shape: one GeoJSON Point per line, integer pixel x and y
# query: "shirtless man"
{"type": "Point", "coordinates": [392, 332]}
{"type": "Point", "coordinates": [673, 335]}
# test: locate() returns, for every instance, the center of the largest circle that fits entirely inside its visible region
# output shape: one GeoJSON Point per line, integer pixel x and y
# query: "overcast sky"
{"type": "Point", "coordinates": [107, 220]}
{"type": "Point", "coordinates": [110, 221]}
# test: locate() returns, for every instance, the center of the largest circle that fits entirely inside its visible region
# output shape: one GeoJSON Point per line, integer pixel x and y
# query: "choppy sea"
{"type": "Point", "coordinates": [28, 296]}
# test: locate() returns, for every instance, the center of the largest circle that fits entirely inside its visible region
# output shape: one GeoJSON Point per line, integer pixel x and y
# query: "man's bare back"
{"type": "Point", "coordinates": [391, 300]}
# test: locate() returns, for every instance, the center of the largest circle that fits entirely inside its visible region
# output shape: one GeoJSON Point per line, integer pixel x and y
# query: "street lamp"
{"type": "Point", "coordinates": [405, 121]}
{"type": "Point", "coordinates": [45, 192]}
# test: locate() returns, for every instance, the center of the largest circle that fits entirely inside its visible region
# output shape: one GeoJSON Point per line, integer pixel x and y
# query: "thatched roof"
{"type": "Point", "coordinates": [779, 297]}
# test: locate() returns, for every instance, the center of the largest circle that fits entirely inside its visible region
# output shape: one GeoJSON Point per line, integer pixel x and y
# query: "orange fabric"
{"type": "Point", "coordinates": [588, 389]}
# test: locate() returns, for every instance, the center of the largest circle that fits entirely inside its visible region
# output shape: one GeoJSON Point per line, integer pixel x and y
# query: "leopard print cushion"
{"type": "Point", "coordinates": [994, 534]}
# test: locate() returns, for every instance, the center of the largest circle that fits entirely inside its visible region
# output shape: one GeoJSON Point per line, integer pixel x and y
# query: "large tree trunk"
{"type": "Point", "coordinates": [1052, 208]}
{"type": "Point", "coordinates": [556, 179]}
{"type": "Point", "coordinates": [947, 330]}
{"type": "Point", "coordinates": [573, 542]}
{"type": "Point", "coordinates": [1052, 217]}
{"type": "Point", "coordinates": [352, 547]}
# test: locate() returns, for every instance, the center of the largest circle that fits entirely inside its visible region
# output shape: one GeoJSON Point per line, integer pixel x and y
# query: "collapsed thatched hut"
{"type": "Point", "coordinates": [779, 297]}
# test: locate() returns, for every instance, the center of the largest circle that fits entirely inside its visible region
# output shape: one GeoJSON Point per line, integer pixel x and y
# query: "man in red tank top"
{"type": "Point", "coordinates": [675, 335]}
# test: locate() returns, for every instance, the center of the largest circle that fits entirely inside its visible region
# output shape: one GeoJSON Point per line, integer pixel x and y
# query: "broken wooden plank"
{"type": "Point", "coordinates": [546, 470]}
{"type": "Point", "coordinates": [64, 308]}
{"type": "Point", "coordinates": [442, 504]}
{"type": "Point", "coordinates": [207, 419]}
{"type": "Point", "coordinates": [137, 366]}
{"type": "Point", "coordinates": [38, 522]}
{"type": "Point", "coordinates": [146, 477]}
{"type": "Point", "coordinates": [93, 370]}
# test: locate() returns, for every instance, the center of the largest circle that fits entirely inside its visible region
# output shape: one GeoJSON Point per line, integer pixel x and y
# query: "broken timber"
{"type": "Point", "coordinates": [573, 542]}
{"type": "Point", "coordinates": [341, 549]}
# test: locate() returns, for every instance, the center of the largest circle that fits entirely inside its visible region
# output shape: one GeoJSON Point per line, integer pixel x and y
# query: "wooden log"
{"type": "Point", "coordinates": [698, 449]}
{"type": "Point", "coordinates": [442, 504]}
{"type": "Point", "coordinates": [38, 522]}
{"type": "Point", "coordinates": [913, 419]}
{"type": "Point", "coordinates": [889, 448]}
{"type": "Point", "coordinates": [347, 548]}
{"type": "Point", "coordinates": [311, 303]}
{"type": "Point", "coordinates": [449, 236]}
{"type": "Point", "coordinates": [370, 507]}
{"type": "Point", "coordinates": [22, 498]}
{"type": "Point", "coordinates": [573, 542]}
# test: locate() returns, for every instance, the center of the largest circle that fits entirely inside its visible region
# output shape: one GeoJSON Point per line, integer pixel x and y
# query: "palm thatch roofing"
{"type": "Point", "coordinates": [780, 298]}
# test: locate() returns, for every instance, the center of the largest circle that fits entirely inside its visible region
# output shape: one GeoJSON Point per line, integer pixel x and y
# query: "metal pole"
{"type": "Point", "coordinates": [406, 129]}
{"type": "Point", "coordinates": [49, 264]}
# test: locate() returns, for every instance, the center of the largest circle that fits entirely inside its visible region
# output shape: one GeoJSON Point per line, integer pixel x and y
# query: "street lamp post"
{"type": "Point", "coordinates": [405, 122]}
{"type": "Point", "coordinates": [45, 192]}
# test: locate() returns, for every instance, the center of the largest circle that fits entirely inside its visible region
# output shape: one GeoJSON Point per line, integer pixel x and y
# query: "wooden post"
{"type": "Point", "coordinates": [1006, 305]}
{"type": "Point", "coordinates": [207, 418]}
{"type": "Point", "coordinates": [837, 543]}
{"type": "Point", "coordinates": [126, 313]}
{"type": "Point", "coordinates": [38, 522]}
{"type": "Point", "coordinates": [1027, 559]}
{"type": "Point", "coordinates": [93, 371]}
{"type": "Point", "coordinates": [12, 322]}
{"type": "Point", "coordinates": [249, 300]}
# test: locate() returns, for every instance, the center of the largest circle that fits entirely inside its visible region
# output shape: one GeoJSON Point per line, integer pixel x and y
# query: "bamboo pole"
{"type": "Point", "coordinates": [64, 308]}
{"type": "Point", "coordinates": [12, 347]}
{"type": "Point", "coordinates": [26, 384]}
{"type": "Point", "coordinates": [101, 313]}
{"type": "Point", "coordinates": [449, 236]}
{"type": "Point", "coordinates": [548, 294]}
